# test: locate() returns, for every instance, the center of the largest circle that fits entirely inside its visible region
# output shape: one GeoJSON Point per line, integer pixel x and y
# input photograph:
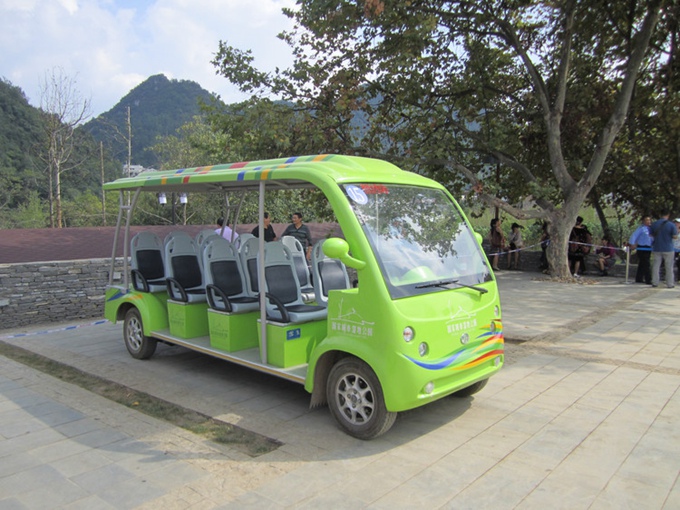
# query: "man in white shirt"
{"type": "Point", "coordinates": [226, 231]}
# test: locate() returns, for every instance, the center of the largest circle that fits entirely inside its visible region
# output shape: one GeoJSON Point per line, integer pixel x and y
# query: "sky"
{"type": "Point", "coordinates": [108, 47]}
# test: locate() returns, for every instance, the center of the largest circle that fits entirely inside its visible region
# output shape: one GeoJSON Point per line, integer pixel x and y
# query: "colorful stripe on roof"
{"type": "Point", "coordinates": [259, 172]}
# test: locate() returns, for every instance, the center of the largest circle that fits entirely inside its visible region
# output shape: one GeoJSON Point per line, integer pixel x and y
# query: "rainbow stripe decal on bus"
{"type": "Point", "coordinates": [490, 344]}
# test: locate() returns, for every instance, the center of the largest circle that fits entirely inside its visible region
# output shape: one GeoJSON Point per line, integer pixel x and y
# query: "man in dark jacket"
{"type": "Point", "coordinates": [269, 234]}
{"type": "Point", "coordinates": [300, 232]}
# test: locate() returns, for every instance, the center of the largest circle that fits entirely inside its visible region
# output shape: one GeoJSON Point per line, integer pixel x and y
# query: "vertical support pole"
{"type": "Point", "coordinates": [627, 263]}
{"type": "Point", "coordinates": [260, 276]}
{"type": "Point", "coordinates": [121, 203]}
{"type": "Point", "coordinates": [126, 237]}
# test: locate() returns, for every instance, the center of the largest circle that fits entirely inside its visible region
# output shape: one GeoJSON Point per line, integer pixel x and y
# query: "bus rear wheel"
{"type": "Point", "coordinates": [138, 345]}
{"type": "Point", "coordinates": [356, 400]}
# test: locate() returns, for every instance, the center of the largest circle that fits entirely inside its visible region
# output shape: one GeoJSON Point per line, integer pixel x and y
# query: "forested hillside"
{"type": "Point", "coordinates": [24, 177]}
{"type": "Point", "coordinates": [158, 107]}
{"type": "Point", "coordinates": [19, 133]}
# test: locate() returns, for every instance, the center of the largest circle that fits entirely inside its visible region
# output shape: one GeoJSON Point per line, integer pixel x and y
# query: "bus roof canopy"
{"type": "Point", "coordinates": [294, 172]}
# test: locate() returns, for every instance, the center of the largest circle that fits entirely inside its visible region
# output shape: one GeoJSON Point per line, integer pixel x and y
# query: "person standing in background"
{"type": "Point", "coordinates": [545, 241]}
{"type": "Point", "coordinates": [580, 242]}
{"type": "Point", "coordinates": [516, 245]}
{"type": "Point", "coordinates": [663, 232]}
{"type": "Point", "coordinates": [225, 230]}
{"type": "Point", "coordinates": [300, 232]}
{"type": "Point", "coordinates": [676, 245]}
{"type": "Point", "coordinates": [269, 234]}
{"type": "Point", "coordinates": [497, 242]}
{"type": "Point", "coordinates": [641, 240]}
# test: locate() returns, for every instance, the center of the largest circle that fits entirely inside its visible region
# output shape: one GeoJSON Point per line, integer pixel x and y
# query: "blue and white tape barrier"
{"type": "Point", "coordinates": [48, 331]}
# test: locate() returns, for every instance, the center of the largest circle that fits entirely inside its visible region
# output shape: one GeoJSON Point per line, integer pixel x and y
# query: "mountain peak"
{"type": "Point", "coordinates": [158, 107]}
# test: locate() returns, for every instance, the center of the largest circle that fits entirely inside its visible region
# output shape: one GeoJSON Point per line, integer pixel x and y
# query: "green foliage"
{"type": "Point", "coordinates": [20, 132]}
{"type": "Point", "coordinates": [83, 210]}
{"type": "Point", "coordinates": [644, 172]}
{"type": "Point", "coordinates": [258, 129]}
{"type": "Point", "coordinates": [30, 213]}
{"type": "Point", "coordinates": [24, 186]}
{"type": "Point", "coordinates": [518, 101]}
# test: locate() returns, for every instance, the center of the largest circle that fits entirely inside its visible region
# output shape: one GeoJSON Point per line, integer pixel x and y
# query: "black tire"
{"type": "Point", "coordinates": [355, 398]}
{"type": "Point", "coordinates": [472, 389]}
{"type": "Point", "coordinates": [138, 345]}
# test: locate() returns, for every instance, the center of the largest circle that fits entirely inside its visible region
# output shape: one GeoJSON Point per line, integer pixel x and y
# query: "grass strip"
{"type": "Point", "coordinates": [250, 443]}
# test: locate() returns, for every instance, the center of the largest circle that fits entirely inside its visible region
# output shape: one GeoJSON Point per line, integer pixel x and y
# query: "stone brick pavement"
{"type": "Point", "coordinates": [583, 415]}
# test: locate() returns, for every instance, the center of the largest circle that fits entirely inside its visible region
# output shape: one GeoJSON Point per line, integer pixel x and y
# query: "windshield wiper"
{"type": "Point", "coordinates": [444, 283]}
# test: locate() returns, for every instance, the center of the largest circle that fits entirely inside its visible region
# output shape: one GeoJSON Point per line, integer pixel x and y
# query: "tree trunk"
{"type": "Point", "coordinates": [57, 201]}
{"type": "Point", "coordinates": [560, 223]}
{"type": "Point", "coordinates": [601, 215]}
{"type": "Point", "coordinates": [51, 196]}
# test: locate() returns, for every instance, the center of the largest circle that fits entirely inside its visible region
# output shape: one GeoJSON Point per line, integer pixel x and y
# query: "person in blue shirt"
{"type": "Point", "coordinates": [641, 240]}
{"type": "Point", "coordinates": [676, 244]}
{"type": "Point", "coordinates": [663, 231]}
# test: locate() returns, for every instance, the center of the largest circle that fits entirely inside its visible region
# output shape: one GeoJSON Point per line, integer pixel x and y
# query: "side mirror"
{"type": "Point", "coordinates": [337, 248]}
{"type": "Point", "coordinates": [479, 238]}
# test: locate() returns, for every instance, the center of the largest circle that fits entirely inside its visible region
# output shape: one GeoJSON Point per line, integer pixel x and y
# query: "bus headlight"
{"type": "Point", "coordinates": [409, 334]}
{"type": "Point", "coordinates": [423, 349]}
{"type": "Point", "coordinates": [497, 311]}
{"type": "Point", "coordinates": [464, 338]}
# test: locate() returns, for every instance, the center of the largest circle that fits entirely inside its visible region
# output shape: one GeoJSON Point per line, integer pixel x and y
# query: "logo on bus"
{"type": "Point", "coordinates": [460, 320]}
{"type": "Point", "coordinates": [350, 322]}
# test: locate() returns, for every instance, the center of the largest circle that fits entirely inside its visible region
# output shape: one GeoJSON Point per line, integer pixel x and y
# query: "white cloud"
{"type": "Point", "coordinates": [110, 46]}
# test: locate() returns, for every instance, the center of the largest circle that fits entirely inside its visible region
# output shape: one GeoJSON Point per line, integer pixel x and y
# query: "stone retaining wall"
{"type": "Point", "coordinates": [47, 292]}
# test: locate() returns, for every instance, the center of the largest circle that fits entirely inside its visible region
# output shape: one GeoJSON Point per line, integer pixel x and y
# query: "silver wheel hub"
{"type": "Point", "coordinates": [355, 399]}
{"type": "Point", "coordinates": [135, 335]}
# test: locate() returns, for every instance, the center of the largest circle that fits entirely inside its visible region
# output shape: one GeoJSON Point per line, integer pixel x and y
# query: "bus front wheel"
{"type": "Point", "coordinates": [356, 400]}
{"type": "Point", "coordinates": [138, 345]}
{"type": "Point", "coordinates": [472, 389]}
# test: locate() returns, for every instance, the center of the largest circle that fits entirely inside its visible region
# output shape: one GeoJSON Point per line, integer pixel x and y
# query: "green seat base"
{"type": "Point", "coordinates": [289, 345]}
{"type": "Point", "coordinates": [188, 320]}
{"type": "Point", "coordinates": [233, 331]}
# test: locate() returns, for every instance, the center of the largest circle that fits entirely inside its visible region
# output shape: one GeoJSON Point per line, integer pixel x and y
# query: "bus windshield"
{"type": "Point", "coordinates": [419, 238]}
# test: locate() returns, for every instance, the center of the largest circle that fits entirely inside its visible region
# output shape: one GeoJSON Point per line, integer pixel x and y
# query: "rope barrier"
{"type": "Point", "coordinates": [513, 251]}
{"type": "Point", "coordinates": [625, 249]}
{"type": "Point", "coordinates": [48, 331]}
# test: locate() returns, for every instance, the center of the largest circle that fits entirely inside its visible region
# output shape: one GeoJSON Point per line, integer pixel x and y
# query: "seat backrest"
{"type": "Point", "coordinates": [222, 267]}
{"type": "Point", "coordinates": [202, 235]}
{"type": "Point", "coordinates": [329, 274]}
{"type": "Point", "coordinates": [147, 268]}
{"type": "Point", "coordinates": [147, 255]}
{"type": "Point", "coordinates": [181, 260]}
{"type": "Point", "coordinates": [248, 253]}
{"type": "Point", "coordinates": [300, 259]}
{"type": "Point", "coordinates": [280, 275]}
{"type": "Point", "coordinates": [202, 245]}
{"type": "Point", "coordinates": [173, 234]}
{"type": "Point", "coordinates": [241, 240]}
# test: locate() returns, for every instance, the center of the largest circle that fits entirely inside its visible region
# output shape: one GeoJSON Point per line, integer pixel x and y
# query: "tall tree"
{"type": "Point", "coordinates": [645, 166]}
{"type": "Point", "coordinates": [63, 109]}
{"type": "Point", "coordinates": [524, 98]}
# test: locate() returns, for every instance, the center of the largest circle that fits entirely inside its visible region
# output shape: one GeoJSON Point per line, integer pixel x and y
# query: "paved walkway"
{"type": "Point", "coordinates": [584, 415]}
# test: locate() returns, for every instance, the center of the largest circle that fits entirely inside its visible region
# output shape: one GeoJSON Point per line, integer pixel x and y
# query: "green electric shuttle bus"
{"type": "Point", "coordinates": [400, 310]}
